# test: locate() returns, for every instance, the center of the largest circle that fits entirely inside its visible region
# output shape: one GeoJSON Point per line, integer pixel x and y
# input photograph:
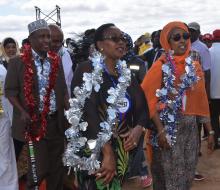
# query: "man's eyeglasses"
{"type": "Point", "coordinates": [115, 39]}
{"type": "Point", "coordinates": [178, 36]}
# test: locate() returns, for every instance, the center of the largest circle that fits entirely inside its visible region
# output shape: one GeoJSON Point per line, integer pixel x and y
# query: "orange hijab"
{"type": "Point", "coordinates": [196, 98]}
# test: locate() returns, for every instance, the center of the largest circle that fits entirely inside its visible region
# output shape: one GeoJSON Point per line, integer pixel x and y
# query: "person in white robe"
{"type": "Point", "coordinates": [8, 167]}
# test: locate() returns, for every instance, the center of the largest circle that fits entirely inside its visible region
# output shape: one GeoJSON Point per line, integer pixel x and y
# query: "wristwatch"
{"type": "Point", "coordinates": [211, 132]}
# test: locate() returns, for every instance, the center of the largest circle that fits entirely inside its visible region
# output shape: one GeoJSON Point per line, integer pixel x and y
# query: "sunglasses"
{"type": "Point", "coordinates": [178, 36]}
{"type": "Point", "coordinates": [115, 39]}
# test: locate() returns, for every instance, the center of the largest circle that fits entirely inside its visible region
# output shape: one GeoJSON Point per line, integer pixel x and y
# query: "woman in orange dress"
{"type": "Point", "coordinates": [175, 91]}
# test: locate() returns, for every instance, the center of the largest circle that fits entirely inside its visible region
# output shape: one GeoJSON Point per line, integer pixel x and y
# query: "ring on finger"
{"type": "Point", "coordinates": [98, 174]}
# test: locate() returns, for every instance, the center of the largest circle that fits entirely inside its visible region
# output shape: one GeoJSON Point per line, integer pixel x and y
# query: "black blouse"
{"type": "Point", "coordinates": [95, 107]}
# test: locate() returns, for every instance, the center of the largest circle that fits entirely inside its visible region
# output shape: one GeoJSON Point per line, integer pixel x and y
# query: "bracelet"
{"type": "Point", "coordinates": [212, 132]}
{"type": "Point", "coordinates": [162, 131]}
{"type": "Point", "coordinates": [143, 128]}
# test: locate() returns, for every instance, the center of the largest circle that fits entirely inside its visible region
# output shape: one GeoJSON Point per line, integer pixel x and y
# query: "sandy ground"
{"type": "Point", "coordinates": [209, 166]}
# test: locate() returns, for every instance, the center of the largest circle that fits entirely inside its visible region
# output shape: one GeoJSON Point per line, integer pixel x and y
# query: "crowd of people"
{"type": "Point", "coordinates": [104, 109]}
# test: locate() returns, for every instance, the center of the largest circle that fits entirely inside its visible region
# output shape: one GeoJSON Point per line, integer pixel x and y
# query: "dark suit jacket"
{"type": "Point", "coordinates": [141, 71]}
{"type": "Point", "coordinates": [14, 86]}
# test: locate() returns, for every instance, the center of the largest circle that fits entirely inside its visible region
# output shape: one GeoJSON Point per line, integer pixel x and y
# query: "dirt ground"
{"type": "Point", "coordinates": [209, 166]}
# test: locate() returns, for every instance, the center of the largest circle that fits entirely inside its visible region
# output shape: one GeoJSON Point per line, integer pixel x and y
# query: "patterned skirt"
{"type": "Point", "coordinates": [88, 182]}
{"type": "Point", "coordinates": [174, 169]}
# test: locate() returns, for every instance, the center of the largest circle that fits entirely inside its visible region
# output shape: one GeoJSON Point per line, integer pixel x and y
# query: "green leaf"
{"type": "Point", "coordinates": [122, 161]}
{"type": "Point", "coordinates": [114, 185]}
{"type": "Point", "coordinates": [99, 184]}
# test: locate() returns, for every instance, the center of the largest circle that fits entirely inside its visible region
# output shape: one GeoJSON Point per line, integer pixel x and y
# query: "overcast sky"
{"type": "Point", "coordinates": [132, 16]}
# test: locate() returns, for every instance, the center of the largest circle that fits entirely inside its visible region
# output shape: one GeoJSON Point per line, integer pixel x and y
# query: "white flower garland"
{"type": "Point", "coordinates": [76, 142]}
{"type": "Point", "coordinates": [169, 115]}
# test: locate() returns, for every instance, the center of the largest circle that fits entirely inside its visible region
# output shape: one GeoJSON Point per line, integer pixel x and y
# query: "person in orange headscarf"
{"type": "Point", "coordinates": [175, 91]}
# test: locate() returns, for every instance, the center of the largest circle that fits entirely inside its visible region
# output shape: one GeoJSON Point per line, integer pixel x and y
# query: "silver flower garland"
{"type": "Point", "coordinates": [76, 142]}
{"type": "Point", "coordinates": [169, 115]}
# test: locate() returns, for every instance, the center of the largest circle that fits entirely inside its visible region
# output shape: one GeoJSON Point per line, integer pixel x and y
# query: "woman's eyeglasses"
{"type": "Point", "coordinates": [178, 36]}
{"type": "Point", "coordinates": [115, 39]}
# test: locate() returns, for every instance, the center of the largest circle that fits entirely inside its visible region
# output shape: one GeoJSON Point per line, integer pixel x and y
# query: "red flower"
{"type": "Point", "coordinates": [35, 132]}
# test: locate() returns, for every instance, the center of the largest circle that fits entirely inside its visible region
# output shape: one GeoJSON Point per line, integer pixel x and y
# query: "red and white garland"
{"type": "Point", "coordinates": [29, 96]}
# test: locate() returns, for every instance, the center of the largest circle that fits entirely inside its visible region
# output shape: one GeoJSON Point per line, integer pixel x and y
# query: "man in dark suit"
{"type": "Point", "coordinates": [155, 52]}
{"type": "Point", "coordinates": [48, 144]}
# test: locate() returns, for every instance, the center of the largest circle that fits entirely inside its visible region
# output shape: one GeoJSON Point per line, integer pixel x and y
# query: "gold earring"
{"type": "Point", "coordinates": [101, 49]}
